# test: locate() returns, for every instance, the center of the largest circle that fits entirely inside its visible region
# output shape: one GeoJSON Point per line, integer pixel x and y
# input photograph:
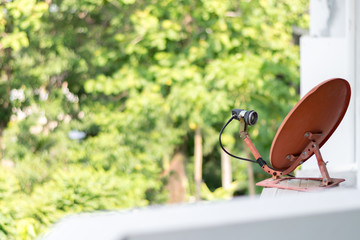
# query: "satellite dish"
{"type": "Point", "coordinates": [303, 132]}
{"type": "Point", "coordinates": [320, 112]}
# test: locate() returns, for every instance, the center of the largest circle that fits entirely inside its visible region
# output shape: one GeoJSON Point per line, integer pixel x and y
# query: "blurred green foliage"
{"type": "Point", "coordinates": [137, 77]}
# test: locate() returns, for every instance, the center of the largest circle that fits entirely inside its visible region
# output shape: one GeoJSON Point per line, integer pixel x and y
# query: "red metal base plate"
{"type": "Point", "coordinates": [299, 184]}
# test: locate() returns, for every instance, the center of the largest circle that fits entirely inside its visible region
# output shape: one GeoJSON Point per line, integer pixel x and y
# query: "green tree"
{"type": "Point", "coordinates": [140, 79]}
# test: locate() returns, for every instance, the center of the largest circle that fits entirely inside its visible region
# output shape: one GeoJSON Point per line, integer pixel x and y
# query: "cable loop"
{"type": "Point", "coordinates": [244, 159]}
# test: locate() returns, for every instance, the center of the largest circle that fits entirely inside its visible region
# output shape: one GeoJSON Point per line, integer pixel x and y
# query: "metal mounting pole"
{"type": "Point", "coordinates": [246, 137]}
{"type": "Point", "coordinates": [322, 166]}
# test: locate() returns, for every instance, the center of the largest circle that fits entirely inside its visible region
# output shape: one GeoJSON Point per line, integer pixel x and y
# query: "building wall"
{"type": "Point", "coordinates": [332, 50]}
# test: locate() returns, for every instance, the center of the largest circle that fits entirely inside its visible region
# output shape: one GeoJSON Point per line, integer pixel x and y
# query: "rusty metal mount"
{"type": "Point", "coordinates": [245, 136]}
{"type": "Point", "coordinates": [277, 183]}
{"type": "Point", "coordinates": [311, 148]}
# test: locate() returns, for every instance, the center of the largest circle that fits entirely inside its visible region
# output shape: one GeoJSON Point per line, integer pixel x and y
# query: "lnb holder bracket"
{"type": "Point", "coordinates": [297, 159]}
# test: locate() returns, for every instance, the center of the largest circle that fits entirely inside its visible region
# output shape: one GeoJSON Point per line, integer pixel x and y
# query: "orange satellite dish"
{"type": "Point", "coordinates": [319, 111]}
{"type": "Point", "coordinates": [303, 132]}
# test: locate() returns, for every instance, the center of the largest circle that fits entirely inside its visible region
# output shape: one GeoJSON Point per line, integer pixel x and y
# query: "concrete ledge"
{"type": "Point", "coordinates": [326, 215]}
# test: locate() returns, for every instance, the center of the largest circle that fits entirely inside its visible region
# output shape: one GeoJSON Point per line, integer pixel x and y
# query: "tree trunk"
{"type": "Point", "coordinates": [177, 179]}
{"type": "Point", "coordinates": [251, 180]}
{"type": "Point", "coordinates": [226, 175]}
{"type": "Point", "coordinates": [198, 163]}
{"type": "Point", "coordinates": [250, 173]}
{"type": "Point", "coordinates": [5, 106]}
{"type": "Point", "coordinates": [1, 146]}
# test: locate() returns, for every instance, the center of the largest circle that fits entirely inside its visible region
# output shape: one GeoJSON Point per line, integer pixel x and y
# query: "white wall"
{"type": "Point", "coordinates": [330, 51]}
{"type": "Point", "coordinates": [356, 65]}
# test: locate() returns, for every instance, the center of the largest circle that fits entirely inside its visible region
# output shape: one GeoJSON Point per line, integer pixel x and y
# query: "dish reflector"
{"type": "Point", "coordinates": [319, 111]}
